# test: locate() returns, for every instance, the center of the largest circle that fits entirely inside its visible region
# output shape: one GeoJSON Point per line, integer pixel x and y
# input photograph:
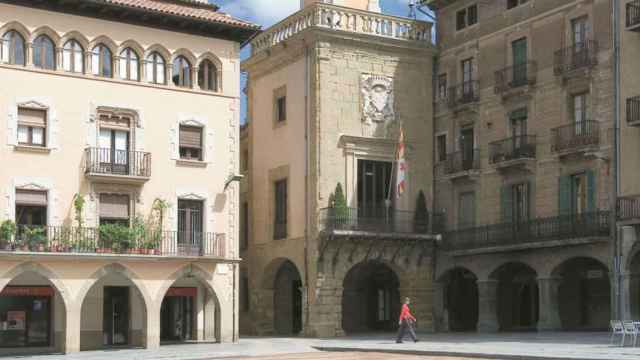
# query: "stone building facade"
{"type": "Point", "coordinates": [524, 148]}
{"type": "Point", "coordinates": [119, 138]}
{"type": "Point", "coordinates": [329, 89]}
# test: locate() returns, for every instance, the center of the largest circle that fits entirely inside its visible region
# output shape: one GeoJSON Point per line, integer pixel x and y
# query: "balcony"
{"type": "Point", "coordinates": [540, 232]}
{"type": "Point", "coordinates": [633, 111]}
{"type": "Point", "coordinates": [113, 240]}
{"type": "Point", "coordinates": [579, 137]}
{"type": "Point", "coordinates": [572, 60]}
{"type": "Point", "coordinates": [633, 15]}
{"type": "Point", "coordinates": [117, 166]}
{"type": "Point", "coordinates": [629, 208]}
{"type": "Point", "coordinates": [344, 20]}
{"type": "Point", "coordinates": [515, 151]}
{"type": "Point", "coordinates": [516, 80]}
{"type": "Point", "coordinates": [378, 221]}
{"type": "Point", "coordinates": [463, 95]}
{"type": "Point", "coordinates": [460, 164]}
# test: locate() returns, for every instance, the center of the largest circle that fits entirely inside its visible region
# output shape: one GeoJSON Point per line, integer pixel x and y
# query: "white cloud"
{"type": "Point", "coordinates": [263, 12]}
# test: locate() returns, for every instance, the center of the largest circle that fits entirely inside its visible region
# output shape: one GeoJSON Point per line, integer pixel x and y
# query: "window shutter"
{"type": "Point", "coordinates": [31, 197]}
{"type": "Point", "coordinates": [191, 136]}
{"type": "Point", "coordinates": [114, 206]}
{"type": "Point", "coordinates": [32, 117]}
{"type": "Point", "coordinates": [506, 196]}
{"type": "Point", "coordinates": [564, 195]}
{"type": "Point", "coordinates": [591, 190]}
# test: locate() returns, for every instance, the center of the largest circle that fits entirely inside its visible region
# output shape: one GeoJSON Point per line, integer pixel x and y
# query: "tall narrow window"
{"type": "Point", "coordinates": [114, 149]}
{"type": "Point", "coordinates": [280, 211]}
{"type": "Point", "coordinates": [442, 86]}
{"type": "Point", "coordinates": [73, 57]}
{"type": "Point", "coordinates": [12, 50]}
{"type": "Point", "coordinates": [579, 31]}
{"type": "Point", "coordinates": [101, 61]}
{"type": "Point", "coordinates": [190, 142]}
{"type": "Point", "coordinates": [129, 65]}
{"type": "Point", "coordinates": [579, 194]}
{"type": "Point", "coordinates": [208, 76]}
{"type": "Point", "coordinates": [32, 126]}
{"type": "Point", "coordinates": [155, 68]}
{"type": "Point", "coordinates": [281, 108]}
{"type": "Point", "coordinates": [44, 53]}
{"type": "Point", "coordinates": [182, 72]}
{"type": "Point", "coordinates": [520, 195]}
{"type": "Point", "coordinates": [190, 226]}
{"type": "Point", "coordinates": [441, 144]}
{"type": "Point", "coordinates": [519, 52]}
{"type": "Point", "coordinates": [580, 107]}
{"type": "Point", "coordinates": [467, 78]}
{"type": "Point", "coordinates": [467, 151]}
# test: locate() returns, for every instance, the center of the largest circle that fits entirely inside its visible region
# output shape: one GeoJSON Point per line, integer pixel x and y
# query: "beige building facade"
{"type": "Point", "coordinates": [329, 89]}
{"type": "Point", "coordinates": [524, 164]}
{"type": "Point", "coordinates": [119, 147]}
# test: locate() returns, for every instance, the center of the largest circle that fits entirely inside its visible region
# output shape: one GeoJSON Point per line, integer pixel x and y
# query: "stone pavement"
{"type": "Point", "coordinates": [351, 356]}
{"type": "Point", "coordinates": [584, 346]}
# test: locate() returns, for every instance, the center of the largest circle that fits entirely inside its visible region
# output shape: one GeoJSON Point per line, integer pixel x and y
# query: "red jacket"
{"type": "Point", "coordinates": [405, 314]}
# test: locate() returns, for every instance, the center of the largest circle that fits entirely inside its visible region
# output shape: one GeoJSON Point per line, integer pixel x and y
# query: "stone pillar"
{"type": "Point", "coordinates": [152, 333]}
{"type": "Point", "coordinates": [72, 333]}
{"type": "Point", "coordinates": [548, 304]}
{"type": "Point", "coordinates": [487, 305]}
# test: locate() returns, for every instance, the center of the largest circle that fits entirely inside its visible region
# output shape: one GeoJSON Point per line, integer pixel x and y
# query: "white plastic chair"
{"type": "Point", "coordinates": [616, 329]}
{"type": "Point", "coordinates": [630, 330]}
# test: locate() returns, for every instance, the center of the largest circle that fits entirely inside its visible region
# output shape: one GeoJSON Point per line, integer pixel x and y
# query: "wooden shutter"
{"type": "Point", "coordinates": [506, 200]}
{"type": "Point", "coordinates": [32, 117]}
{"type": "Point", "coordinates": [564, 195]}
{"type": "Point", "coordinates": [191, 137]}
{"type": "Point", "coordinates": [31, 197]}
{"type": "Point", "coordinates": [114, 206]}
{"type": "Point", "coordinates": [592, 190]}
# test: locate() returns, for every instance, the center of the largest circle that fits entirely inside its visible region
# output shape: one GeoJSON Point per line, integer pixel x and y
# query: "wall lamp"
{"type": "Point", "coordinates": [231, 179]}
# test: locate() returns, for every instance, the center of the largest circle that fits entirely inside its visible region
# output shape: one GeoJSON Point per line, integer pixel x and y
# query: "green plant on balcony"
{"type": "Point", "coordinates": [35, 238]}
{"type": "Point", "coordinates": [7, 231]}
{"type": "Point", "coordinates": [78, 206]}
{"type": "Point", "coordinates": [114, 238]}
{"type": "Point", "coordinates": [421, 216]}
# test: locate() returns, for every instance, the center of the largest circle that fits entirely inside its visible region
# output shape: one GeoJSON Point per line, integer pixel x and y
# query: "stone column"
{"type": "Point", "coordinates": [487, 305]}
{"type": "Point", "coordinates": [152, 333]}
{"type": "Point", "coordinates": [72, 333]}
{"type": "Point", "coordinates": [548, 304]}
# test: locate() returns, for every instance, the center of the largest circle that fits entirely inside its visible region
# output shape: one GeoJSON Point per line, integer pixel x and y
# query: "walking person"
{"type": "Point", "coordinates": [406, 323]}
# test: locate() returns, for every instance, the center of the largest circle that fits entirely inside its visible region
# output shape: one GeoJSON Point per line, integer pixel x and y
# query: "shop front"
{"type": "Point", "coordinates": [25, 316]}
{"type": "Point", "coordinates": [177, 315]}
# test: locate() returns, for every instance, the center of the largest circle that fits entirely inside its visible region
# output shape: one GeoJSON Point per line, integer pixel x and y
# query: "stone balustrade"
{"type": "Point", "coordinates": [343, 19]}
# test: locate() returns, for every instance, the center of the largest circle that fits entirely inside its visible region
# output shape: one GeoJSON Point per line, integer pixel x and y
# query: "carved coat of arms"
{"type": "Point", "coordinates": [377, 98]}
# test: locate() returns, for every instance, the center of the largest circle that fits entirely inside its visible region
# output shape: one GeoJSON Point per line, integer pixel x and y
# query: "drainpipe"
{"type": "Point", "coordinates": [306, 184]}
{"type": "Point", "coordinates": [617, 246]}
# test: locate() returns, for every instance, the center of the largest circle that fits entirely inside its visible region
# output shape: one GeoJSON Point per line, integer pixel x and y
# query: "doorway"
{"type": "Point", "coordinates": [177, 315]}
{"type": "Point", "coordinates": [116, 315]}
{"type": "Point", "coordinates": [374, 188]}
{"type": "Point", "coordinates": [190, 227]}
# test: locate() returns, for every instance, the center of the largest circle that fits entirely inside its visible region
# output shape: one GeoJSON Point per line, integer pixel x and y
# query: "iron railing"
{"type": "Point", "coordinates": [629, 207]}
{"type": "Point", "coordinates": [575, 136]}
{"type": "Point", "coordinates": [464, 93]}
{"type": "Point", "coordinates": [461, 161]}
{"type": "Point", "coordinates": [113, 240]}
{"type": "Point", "coordinates": [106, 161]}
{"type": "Point", "coordinates": [515, 76]}
{"type": "Point", "coordinates": [557, 228]}
{"type": "Point", "coordinates": [517, 147]}
{"type": "Point", "coordinates": [633, 110]}
{"type": "Point", "coordinates": [578, 56]}
{"type": "Point", "coordinates": [633, 14]}
{"type": "Point", "coordinates": [381, 220]}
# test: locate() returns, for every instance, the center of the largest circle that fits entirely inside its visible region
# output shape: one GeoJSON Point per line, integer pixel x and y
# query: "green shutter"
{"type": "Point", "coordinates": [506, 195]}
{"type": "Point", "coordinates": [519, 51]}
{"type": "Point", "coordinates": [518, 114]}
{"type": "Point", "coordinates": [591, 190]}
{"type": "Point", "coordinates": [564, 195]}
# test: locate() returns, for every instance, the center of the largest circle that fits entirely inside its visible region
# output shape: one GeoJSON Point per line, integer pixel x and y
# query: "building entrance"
{"type": "Point", "coordinates": [116, 315]}
{"type": "Point", "coordinates": [177, 315]}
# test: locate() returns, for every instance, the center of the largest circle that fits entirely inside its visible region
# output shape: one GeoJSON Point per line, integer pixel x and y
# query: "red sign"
{"type": "Point", "coordinates": [27, 291]}
{"type": "Point", "coordinates": [182, 291]}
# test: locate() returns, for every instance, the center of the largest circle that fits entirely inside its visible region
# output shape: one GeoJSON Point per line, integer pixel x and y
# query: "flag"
{"type": "Point", "coordinates": [401, 166]}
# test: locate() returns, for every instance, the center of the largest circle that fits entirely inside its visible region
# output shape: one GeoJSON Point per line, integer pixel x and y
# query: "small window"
{"type": "Point", "coordinates": [13, 48]}
{"type": "Point", "coordinates": [514, 3]}
{"type": "Point", "coordinates": [44, 53]}
{"type": "Point", "coordinates": [182, 72]}
{"type": "Point", "coordinates": [73, 57]}
{"type": "Point", "coordinates": [102, 61]}
{"type": "Point", "coordinates": [442, 86]}
{"type": "Point", "coordinates": [208, 76]}
{"type": "Point", "coordinates": [467, 17]}
{"type": "Point", "coordinates": [472, 15]}
{"type": "Point", "coordinates": [31, 208]}
{"type": "Point", "coordinates": [129, 65]}
{"type": "Point", "coordinates": [155, 68]}
{"type": "Point", "coordinates": [190, 142]}
{"type": "Point", "coordinates": [280, 211]}
{"type": "Point", "coordinates": [281, 108]}
{"type": "Point", "coordinates": [441, 143]}
{"type": "Point", "coordinates": [114, 209]}
{"type": "Point", "coordinates": [32, 126]}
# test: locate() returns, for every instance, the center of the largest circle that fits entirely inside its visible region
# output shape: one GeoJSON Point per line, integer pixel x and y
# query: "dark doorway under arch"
{"type": "Point", "coordinates": [287, 300]}
{"type": "Point", "coordinates": [518, 302]}
{"type": "Point", "coordinates": [370, 299]}
{"type": "Point", "coordinates": [461, 299]}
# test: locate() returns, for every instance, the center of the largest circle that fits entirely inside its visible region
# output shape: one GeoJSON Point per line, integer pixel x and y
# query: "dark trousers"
{"type": "Point", "coordinates": [406, 326]}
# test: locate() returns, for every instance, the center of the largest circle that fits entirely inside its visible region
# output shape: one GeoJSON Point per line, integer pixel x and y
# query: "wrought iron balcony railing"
{"type": "Point", "coordinates": [516, 76]}
{"type": "Point", "coordinates": [578, 56]}
{"type": "Point", "coordinates": [105, 161]}
{"type": "Point", "coordinates": [629, 207]}
{"type": "Point", "coordinates": [465, 93]}
{"type": "Point", "coordinates": [461, 161]}
{"type": "Point", "coordinates": [575, 136]}
{"type": "Point", "coordinates": [381, 220]}
{"type": "Point", "coordinates": [513, 148]}
{"type": "Point", "coordinates": [557, 228]}
{"type": "Point", "coordinates": [633, 15]}
{"type": "Point", "coordinates": [113, 239]}
{"type": "Point", "coordinates": [633, 111]}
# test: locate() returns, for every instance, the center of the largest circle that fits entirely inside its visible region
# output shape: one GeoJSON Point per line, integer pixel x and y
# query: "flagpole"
{"type": "Point", "coordinates": [394, 174]}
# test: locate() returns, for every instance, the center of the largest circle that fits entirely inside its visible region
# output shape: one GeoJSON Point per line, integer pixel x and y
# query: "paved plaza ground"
{"type": "Point", "coordinates": [585, 346]}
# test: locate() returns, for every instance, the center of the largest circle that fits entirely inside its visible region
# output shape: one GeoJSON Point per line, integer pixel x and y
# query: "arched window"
{"type": "Point", "coordinates": [73, 57]}
{"type": "Point", "coordinates": [182, 72]}
{"type": "Point", "coordinates": [155, 68]}
{"type": "Point", "coordinates": [12, 50]}
{"type": "Point", "coordinates": [208, 76]}
{"type": "Point", "coordinates": [101, 61]}
{"type": "Point", "coordinates": [44, 53]}
{"type": "Point", "coordinates": [129, 65]}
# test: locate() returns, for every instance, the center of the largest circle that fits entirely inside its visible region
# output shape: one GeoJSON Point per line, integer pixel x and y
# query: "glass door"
{"type": "Point", "coordinates": [114, 151]}
{"type": "Point", "coordinates": [466, 148]}
{"type": "Point", "coordinates": [579, 34]}
{"type": "Point", "coordinates": [467, 77]}
{"type": "Point", "coordinates": [190, 227]}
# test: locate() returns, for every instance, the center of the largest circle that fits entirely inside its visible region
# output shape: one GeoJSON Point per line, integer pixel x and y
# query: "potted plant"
{"type": "Point", "coordinates": [35, 238]}
{"type": "Point", "coordinates": [7, 231]}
